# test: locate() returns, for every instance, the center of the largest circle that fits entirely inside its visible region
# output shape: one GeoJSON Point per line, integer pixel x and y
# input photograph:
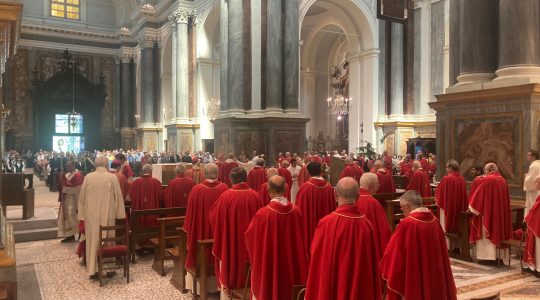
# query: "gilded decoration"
{"type": "Point", "coordinates": [478, 139]}
{"type": "Point", "coordinates": [186, 141]}
{"type": "Point", "coordinates": [404, 136]}
{"type": "Point", "coordinates": [107, 71]}
{"type": "Point", "coordinates": [21, 102]}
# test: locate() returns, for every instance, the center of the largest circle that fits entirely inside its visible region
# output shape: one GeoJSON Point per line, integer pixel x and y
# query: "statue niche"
{"type": "Point", "coordinates": [55, 96]}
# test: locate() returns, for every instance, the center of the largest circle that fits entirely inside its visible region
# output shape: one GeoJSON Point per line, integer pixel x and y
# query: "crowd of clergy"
{"type": "Point", "coordinates": [295, 228]}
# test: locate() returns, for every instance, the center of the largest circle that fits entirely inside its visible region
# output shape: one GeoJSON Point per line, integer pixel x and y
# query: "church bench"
{"type": "Point", "coordinates": [394, 213]}
{"type": "Point", "coordinates": [459, 241]}
{"type": "Point", "coordinates": [14, 194]}
{"type": "Point", "coordinates": [382, 198]}
{"type": "Point", "coordinates": [138, 233]}
{"type": "Point", "coordinates": [401, 181]}
{"type": "Point", "coordinates": [203, 268]}
{"type": "Point", "coordinates": [178, 279]}
{"type": "Point", "coordinates": [167, 242]}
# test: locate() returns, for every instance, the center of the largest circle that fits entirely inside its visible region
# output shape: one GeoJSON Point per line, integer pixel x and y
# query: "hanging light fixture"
{"type": "Point", "coordinates": [212, 105]}
{"type": "Point", "coordinates": [338, 104]}
{"type": "Point", "coordinates": [73, 116]}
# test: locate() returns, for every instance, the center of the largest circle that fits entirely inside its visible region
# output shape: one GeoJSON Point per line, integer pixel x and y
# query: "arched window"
{"type": "Point", "coordinates": [67, 9]}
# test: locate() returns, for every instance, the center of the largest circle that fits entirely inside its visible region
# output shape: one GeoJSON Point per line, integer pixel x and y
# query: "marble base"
{"type": "Point", "coordinates": [499, 124]}
{"type": "Point", "coordinates": [149, 139]}
{"type": "Point", "coordinates": [182, 137]}
{"type": "Point", "coordinates": [268, 135]}
{"type": "Point", "coordinates": [126, 138]}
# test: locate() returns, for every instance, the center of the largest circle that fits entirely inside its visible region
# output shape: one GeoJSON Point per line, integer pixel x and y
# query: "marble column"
{"type": "Point", "coordinates": [519, 38]}
{"type": "Point", "coordinates": [235, 56]}
{"type": "Point", "coordinates": [117, 88]}
{"type": "Point", "coordinates": [396, 103]}
{"type": "Point", "coordinates": [274, 55]}
{"type": "Point", "coordinates": [223, 55]}
{"type": "Point", "coordinates": [454, 40]}
{"type": "Point", "coordinates": [291, 55]}
{"type": "Point", "coordinates": [126, 94]}
{"type": "Point", "coordinates": [173, 66]}
{"type": "Point", "coordinates": [182, 64]}
{"type": "Point", "coordinates": [147, 81]}
{"type": "Point", "coordinates": [478, 40]}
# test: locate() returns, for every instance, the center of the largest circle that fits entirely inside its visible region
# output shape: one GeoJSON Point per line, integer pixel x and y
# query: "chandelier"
{"type": "Point", "coordinates": [73, 116]}
{"type": "Point", "coordinates": [213, 107]}
{"type": "Point", "coordinates": [338, 105]}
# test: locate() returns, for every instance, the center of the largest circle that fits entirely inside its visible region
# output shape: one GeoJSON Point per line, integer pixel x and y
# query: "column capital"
{"type": "Point", "coordinates": [148, 41]}
{"type": "Point", "coordinates": [184, 16]}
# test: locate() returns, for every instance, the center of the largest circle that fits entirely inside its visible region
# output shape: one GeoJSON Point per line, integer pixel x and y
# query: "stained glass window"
{"type": "Point", "coordinates": [67, 9]}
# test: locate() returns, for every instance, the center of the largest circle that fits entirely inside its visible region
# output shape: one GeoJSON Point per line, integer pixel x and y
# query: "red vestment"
{"type": "Point", "coordinates": [476, 183]}
{"type": "Point", "coordinates": [492, 200]}
{"type": "Point", "coordinates": [75, 180]}
{"type": "Point", "coordinates": [196, 174]}
{"type": "Point", "coordinates": [386, 181]}
{"type": "Point", "coordinates": [315, 199]}
{"type": "Point", "coordinates": [146, 193]}
{"type": "Point", "coordinates": [124, 184]}
{"type": "Point", "coordinates": [387, 160]}
{"type": "Point", "coordinates": [405, 169]}
{"type": "Point", "coordinates": [415, 264]}
{"type": "Point", "coordinates": [283, 172]}
{"type": "Point", "coordinates": [424, 164]}
{"type": "Point", "coordinates": [274, 271]}
{"type": "Point", "coordinates": [451, 197]}
{"type": "Point", "coordinates": [229, 218]}
{"type": "Point", "coordinates": [352, 170]}
{"type": "Point", "coordinates": [256, 177]}
{"type": "Point", "coordinates": [433, 167]}
{"type": "Point", "coordinates": [344, 258]}
{"type": "Point", "coordinates": [197, 224]}
{"type": "Point", "coordinates": [303, 175]}
{"type": "Point", "coordinates": [177, 192]}
{"type": "Point", "coordinates": [375, 213]}
{"type": "Point", "coordinates": [533, 231]}
{"type": "Point", "coordinates": [225, 172]}
{"type": "Point", "coordinates": [127, 171]}
{"type": "Point", "coordinates": [263, 192]}
{"type": "Point", "coordinates": [420, 183]}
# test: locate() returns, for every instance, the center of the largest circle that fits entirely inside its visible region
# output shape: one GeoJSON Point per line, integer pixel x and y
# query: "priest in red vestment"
{"type": "Point", "coordinates": [257, 176]}
{"type": "Point", "coordinates": [492, 220]}
{"type": "Point", "coordinates": [373, 210]}
{"type": "Point", "coordinates": [177, 192]}
{"type": "Point", "coordinates": [146, 193]}
{"type": "Point", "coordinates": [386, 180]}
{"type": "Point", "coordinates": [225, 170]}
{"type": "Point", "coordinates": [420, 180]}
{"type": "Point", "coordinates": [303, 175]}
{"type": "Point", "coordinates": [197, 223]}
{"type": "Point", "coordinates": [229, 218]}
{"type": "Point", "coordinates": [125, 168]}
{"type": "Point", "coordinates": [285, 173]}
{"type": "Point", "coordinates": [276, 228]}
{"type": "Point", "coordinates": [69, 187]}
{"type": "Point", "coordinates": [196, 173]}
{"type": "Point", "coordinates": [531, 255]}
{"type": "Point", "coordinates": [263, 189]}
{"type": "Point", "coordinates": [315, 199]}
{"type": "Point", "coordinates": [351, 169]}
{"type": "Point", "coordinates": [451, 197]}
{"type": "Point", "coordinates": [387, 160]}
{"type": "Point", "coordinates": [406, 167]}
{"type": "Point", "coordinates": [479, 175]}
{"type": "Point", "coordinates": [344, 253]}
{"type": "Point", "coordinates": [424, 164]}
{"type": "Point", "coordinates": [415, 264]}
{"type": "Point", "coordinates": [124, 183]}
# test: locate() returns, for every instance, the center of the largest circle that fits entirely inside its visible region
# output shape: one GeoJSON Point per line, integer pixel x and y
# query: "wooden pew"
{"type": "Point", "coordinates": [13, 193]}
{"type": "Point", "coordinates": [394, 213]}
{"type": "Point", "coordinates": [142, 234]}
{"type": "Point", "coordinates": [167, 243]}
{"type": "Point", "coordinates": [382, 198]}
{"type": "Point", "coordinates": [459, 241]}
{"type": "Point", "coordinates": [401, 181]}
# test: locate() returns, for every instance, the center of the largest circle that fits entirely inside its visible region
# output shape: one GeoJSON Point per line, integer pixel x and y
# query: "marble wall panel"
{"type": "Point", "coordinates": [437, 48]}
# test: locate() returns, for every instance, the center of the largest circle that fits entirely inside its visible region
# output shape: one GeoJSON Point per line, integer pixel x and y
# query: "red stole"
{"type": "Point", "coordinates": [451, 196]}
{"type": "Point", "coordinates": [256, 178]}
{"type": "Point", "coordinates": [492, 200]}
{"type": "Point", "coordinates": [225, 172]}
{"type": "Point", "coordinates": [263, 193]}
{"type": "Point", "coordinates": [315, 199]}
{"type": "Point", "coordinates": [146, 193]}
{"type": "Point", "coordinates": [533, 231]}
{"type": "Point", "coordinates": [420, 183]}
{"type": "Point", "coordinates": [274, 241]}
{"type": "Point", "coordinates": [375, 213]}
{"type": "Point", "coordinates": [229, 218]}
{"type": "Point", "coordinates": [75, 180]}
{"type": "Point", "coordinates": [197, 224]}
{"type": "Point", "coordinates": [283, 172]}
{"type": "Point", "coordinates": [344, 251]}
{"type": "Point", "coordinates": [415, 264]}
{"type": "Point", "coordinates": [177, 192]}
{"type": "Point", "coordinates": [352, 170]}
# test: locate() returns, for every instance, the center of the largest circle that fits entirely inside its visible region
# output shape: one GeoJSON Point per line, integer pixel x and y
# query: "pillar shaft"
{"type": "Point", "coordinates": [291, 54]}
{"type": "Point", "coordinates": [396, 76]}
{"type": "Point", "coordinates": [173, 69]}
{"type": "Point", "coordinates": [147, 84]}
{"type": "Point", "coordinates": [223, 56]}
{"type": "Point", "coordinates": [125, 99]}
{"type": "Point", "coordinates": [235, 54]}
{"type": "Point", "coordinates": [274, 54]}
{"type": "Point", "coordinates": [182, 67]}
{"type": "Point", "coordinates": [454, 41]}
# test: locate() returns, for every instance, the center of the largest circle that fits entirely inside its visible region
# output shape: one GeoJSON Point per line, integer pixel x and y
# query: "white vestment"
{"type": "Point", "coordinates": [531, 193]}
{"type": "Point", "coordinates": [485, 250]}
{"type": "Point", "coordinates": [68, 223]}
{"type": "Point", "coordinates": [536, 256]}
{"type": "Point", "coordinates": [100, 203]}
{"type": "Point", "coordinates": [294, 188]}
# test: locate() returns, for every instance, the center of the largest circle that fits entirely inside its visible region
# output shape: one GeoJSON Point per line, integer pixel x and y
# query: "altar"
{"type": "Point", "coordinates": [165, 172]}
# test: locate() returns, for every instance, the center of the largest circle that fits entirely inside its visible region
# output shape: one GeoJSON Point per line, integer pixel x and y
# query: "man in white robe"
{"type": "Point", "coordinates": [531, 193]}
{"type": "Point", "coordinates": [100, 203]}
{"type": "Point", "coordinates": [295, 170]}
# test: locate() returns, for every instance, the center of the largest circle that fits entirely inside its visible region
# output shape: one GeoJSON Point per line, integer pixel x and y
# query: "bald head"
{"type": "Point", "coordinates": [416, 165]}
{"type": "Point", "coordinates": [490, 167]}
{"type": "Point", "coordinates": [211, 171]}
{"type": "Point", "coordinates": [101, 161]}
{"type": "Point", "coordinates": [285, 164]}
{"type": "Point", "coordinates": [180, 170]}
{"type": "Point", "coordinates": [347, 191]}
{"type": "Point", "coordinates": [276, 186]}
{"type": "Point", "coordinates": [147, 169]}
{"type": "Point", "coordinates": [370, 182]}
{"type": "Point", "coordinates": [348, 160]}
{"type": "Point", "coordinates": [271, 172]}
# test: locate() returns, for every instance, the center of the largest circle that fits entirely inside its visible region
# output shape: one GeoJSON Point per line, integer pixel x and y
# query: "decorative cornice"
{"type": "Point", "coordinates": [185, 16]}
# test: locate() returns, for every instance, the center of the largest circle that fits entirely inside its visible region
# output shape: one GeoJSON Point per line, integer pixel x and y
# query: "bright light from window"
{"type": "Point", "coordinates": [67, 9]}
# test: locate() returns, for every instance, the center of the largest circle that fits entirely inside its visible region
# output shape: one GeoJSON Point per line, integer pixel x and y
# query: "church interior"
{"type": "Point", "coordinates": [161, 81]}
